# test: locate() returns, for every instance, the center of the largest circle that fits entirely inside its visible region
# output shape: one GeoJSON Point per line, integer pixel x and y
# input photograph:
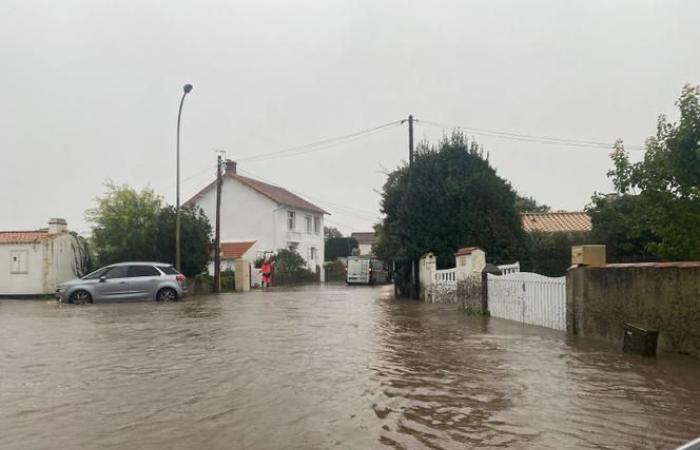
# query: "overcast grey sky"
{"type": "Point", "coordinates": [91, 90]}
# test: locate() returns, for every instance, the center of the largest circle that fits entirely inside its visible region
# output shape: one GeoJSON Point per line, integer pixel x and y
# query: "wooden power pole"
{"type": "Point", "coordinates": [414, 288]}
{"type": "Point", "coordinates": [217, 231]}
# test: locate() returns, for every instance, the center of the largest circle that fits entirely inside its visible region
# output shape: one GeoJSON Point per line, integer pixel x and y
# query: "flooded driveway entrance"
{"type": "Point", "coordinates": [324, 367]}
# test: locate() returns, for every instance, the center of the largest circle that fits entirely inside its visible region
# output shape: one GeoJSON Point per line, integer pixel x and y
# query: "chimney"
{"type": "Point", "coordinates": [230, 166]}
{"type": "Point", "coordinates": [57, 226]}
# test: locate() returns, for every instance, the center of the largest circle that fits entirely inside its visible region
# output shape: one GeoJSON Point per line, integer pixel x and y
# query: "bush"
{"type": "Point", "coordinates": [290, 268]}
{"type": "Point", "coordinates": [203, 284]}
{"type": "Point", "coordinates": [228, 281]}
{"type": "Point", "coordinates": [335, 271]}
{"type": "Point", "coordinates": [550, 253]}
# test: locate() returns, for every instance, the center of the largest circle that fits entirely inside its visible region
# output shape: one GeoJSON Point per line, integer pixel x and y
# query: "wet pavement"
{"type": "Point", "coordinates": [324, 367]}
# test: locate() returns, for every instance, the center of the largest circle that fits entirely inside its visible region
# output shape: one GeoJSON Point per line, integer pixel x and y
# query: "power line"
{"type": "Point", "coordinates": [322, 144]}
{"type": "Point", "coordinates": [342, 210]}
{"type": "Point", "coordinates": [530, 138]}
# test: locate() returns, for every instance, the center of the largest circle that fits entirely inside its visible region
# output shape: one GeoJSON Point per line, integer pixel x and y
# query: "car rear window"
{"type": "Point", "coordinates": [169, 270]}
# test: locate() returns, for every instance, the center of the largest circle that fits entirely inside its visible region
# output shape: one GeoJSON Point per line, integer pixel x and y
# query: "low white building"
{"type": "Point", "coordinates": [268, 216]}
{"type": "Point", "coordinates": [35, 262]}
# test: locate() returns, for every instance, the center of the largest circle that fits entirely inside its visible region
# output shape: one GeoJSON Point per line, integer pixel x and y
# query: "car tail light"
{"type": "Point", "coordinates": [180, 278]}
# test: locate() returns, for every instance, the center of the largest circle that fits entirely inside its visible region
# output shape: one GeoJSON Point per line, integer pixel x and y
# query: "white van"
{"type": "Point", "coordinates": [359, 270]}
{"type": "Point", "coordinates": [366, 271]}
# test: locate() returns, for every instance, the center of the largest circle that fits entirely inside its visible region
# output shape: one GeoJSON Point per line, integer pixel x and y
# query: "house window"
{"type": "Point", "coordinates": [18, 261]}
{"type": "Point", "coordinates": [308, 224]}
{"type": "Point", "coordinates": [292, 246]}
{"type": "Point", "coordinates": [317, 225]}
{"type": "Point", "coordinates": [312, 254]}
{"type": "Point", "coordinates": [291, 220]}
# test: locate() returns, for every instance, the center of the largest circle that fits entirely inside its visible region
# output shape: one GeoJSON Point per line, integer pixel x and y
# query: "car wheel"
{"type": "Point", "coordinates": [80, 297]}
{"type": "Point", "coordinates": [166, 295]}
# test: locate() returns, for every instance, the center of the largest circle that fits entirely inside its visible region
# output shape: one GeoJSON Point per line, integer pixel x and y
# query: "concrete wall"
{"type": "Point", "coordinates": [49, 263]}
{"type": "Point", "coordinates": [247, 215]}
{"type": "Point", "coordinates": [659, 296]}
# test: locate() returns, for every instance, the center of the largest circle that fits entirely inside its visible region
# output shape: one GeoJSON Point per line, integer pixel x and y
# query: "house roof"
{"type": "Point", "coordinates": [365, 237]}
{"type": "Point", "coordinates": [24, 237]}
{"type": "Point", "coordinates": [556, 221]}
{"type": "Point", "coordinates": [466, 251]}
{"type": "Point", "coordinates": [235, 250]}
{"type": "Point", "coordinates": [274, 193]}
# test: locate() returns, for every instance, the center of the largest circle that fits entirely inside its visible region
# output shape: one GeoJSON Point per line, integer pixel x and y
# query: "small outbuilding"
{"type": "Point", "coordinates": [34, 262]}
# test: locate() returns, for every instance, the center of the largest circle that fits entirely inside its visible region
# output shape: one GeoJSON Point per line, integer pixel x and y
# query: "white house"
{"type": "Point", "coordinates": [35, 262]}
{"type": "Point", "coordinates": [257, 218]}
{"type": "Point", "coordinates": [365, 241]}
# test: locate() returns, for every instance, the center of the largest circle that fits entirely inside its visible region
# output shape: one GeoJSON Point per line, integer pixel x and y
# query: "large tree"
{"type": "Point", "coordinates": [132, 225]}
{"type": "Point", "coordinates": [450, 198]}
{"type": "Point", "coordinates": [339, 247]}
{"type": "Point", "coordinates": [195, 240]}
{"type": "Point", "coordinates": [125, 224]}
{"type": "Point", "coordinates": [656, 210]}
{"type": "Point", "coordinates": [529, 204]}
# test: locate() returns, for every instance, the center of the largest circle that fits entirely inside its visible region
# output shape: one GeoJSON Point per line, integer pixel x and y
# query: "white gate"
{"type": "Point", "coordinates": [528, 298]}
{"type": "Point", "coordinates": [446, 277]}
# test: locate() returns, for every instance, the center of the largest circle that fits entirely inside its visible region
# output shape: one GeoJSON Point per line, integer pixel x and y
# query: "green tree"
{"type": "Point", "coordinates": [331, 232]}
{"type": "Point", "coordinates": [450, 198]}
{"type": "Point", "coordinates": [125, 224]}
{"type": "Point", "coordinates": [549, 253]}
{"type": "Point", "coordinates": [339, 247]}
{"type": "Point", "coordinates": [132, 225]}
{"type": "Point", "coordinates": [529, 204]}
{"type": "Point", "coordinates": [195, 238]}
{"type": "Point", "coordinates": [656, 211]}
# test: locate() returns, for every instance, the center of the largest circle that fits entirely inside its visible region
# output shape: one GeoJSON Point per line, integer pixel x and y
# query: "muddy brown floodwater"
{"type": "Point", "coordinates": [324, 367]}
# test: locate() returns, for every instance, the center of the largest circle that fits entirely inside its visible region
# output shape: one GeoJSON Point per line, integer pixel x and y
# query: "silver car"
{"type": "Point", "coordinates": [122, 281]}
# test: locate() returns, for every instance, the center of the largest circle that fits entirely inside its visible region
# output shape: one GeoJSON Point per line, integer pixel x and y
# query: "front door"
{"type": "Point", "coordinates": [114, 286]}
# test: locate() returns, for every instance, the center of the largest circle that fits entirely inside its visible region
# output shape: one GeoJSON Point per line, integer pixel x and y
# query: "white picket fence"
{"type": "Point", "coordinates": [528, 298]}
{"type": "Point", "coordinates": [509, 268]}
{"type": "Point", "coordinates": [446, 277]}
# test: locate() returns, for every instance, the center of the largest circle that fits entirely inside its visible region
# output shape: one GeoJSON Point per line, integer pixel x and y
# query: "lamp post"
{"type": "Point", "coordinates": [186, 89]}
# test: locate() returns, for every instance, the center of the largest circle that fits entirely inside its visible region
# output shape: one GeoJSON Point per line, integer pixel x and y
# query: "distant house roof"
{"type": "Point", "coordinates": [365, 237]}
{"type": "Point", "coordinates": [556, 221]}
{"type": "Point", "coordinates": [24, 237]}
{"type": "Point", "coordinates": [274, 193]}
{"type": "Point", "coordinates": [235, 250]}
{"type": "Point", "coordinates": [466, 251]}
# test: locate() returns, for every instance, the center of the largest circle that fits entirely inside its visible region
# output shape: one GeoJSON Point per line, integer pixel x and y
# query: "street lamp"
{"type": "Point", "coordinates": [187, 88]}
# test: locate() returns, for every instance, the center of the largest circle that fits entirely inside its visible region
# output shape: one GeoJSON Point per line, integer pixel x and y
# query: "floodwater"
{"type": "Point", "coordinates": [324, 367]}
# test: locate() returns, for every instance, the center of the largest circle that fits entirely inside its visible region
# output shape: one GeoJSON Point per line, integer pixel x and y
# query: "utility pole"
{"type": "Point", "coordinates": [410, 140]}
{"type": "Point", "coordinates": [217, 231]}
{"type": "Point", "coordinates": [414, 288]}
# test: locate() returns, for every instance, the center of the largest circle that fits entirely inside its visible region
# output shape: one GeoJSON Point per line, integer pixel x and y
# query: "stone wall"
{"type": "Point", "coordinates": [470, 293]}
{"type": "Point", "coordinates": [658, 296]}
{"type": "Point", "coordinates": [467, 293]}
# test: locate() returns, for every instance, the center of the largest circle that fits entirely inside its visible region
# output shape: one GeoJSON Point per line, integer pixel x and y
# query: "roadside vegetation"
{"type": "Point", "coordinates": [132, 225]}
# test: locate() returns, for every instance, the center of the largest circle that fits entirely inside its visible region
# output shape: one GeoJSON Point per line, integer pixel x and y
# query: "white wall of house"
{"type": "Point", "coordinates": [365, 249]}
{"type": "Point", "coordinates": [39, 267]}
{"type": "Point", "coordinates": [247, 215]}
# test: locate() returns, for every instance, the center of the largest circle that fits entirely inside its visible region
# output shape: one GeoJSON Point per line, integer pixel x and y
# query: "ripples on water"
{"type": "Point", "coordinates": [326, 367]}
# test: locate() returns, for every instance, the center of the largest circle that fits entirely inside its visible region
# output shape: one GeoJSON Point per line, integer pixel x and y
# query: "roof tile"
{"type": "Point", "coordinates": [235, 250]}
{"type": "Point", "coordinates": [23, 237]}
{"type": "Point", "coordinates": [556, 221]}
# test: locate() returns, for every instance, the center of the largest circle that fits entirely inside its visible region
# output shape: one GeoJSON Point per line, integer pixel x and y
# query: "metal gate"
{"type": "Point", "coordinates": [528, 298]}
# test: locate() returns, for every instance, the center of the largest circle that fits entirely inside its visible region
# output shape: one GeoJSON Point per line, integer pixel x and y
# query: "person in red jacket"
{"type": "Point", "coordinates": [266, 273]}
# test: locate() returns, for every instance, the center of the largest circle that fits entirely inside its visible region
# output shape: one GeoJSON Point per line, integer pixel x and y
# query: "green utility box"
{"type": "Point", "coordinates": [639, 341]}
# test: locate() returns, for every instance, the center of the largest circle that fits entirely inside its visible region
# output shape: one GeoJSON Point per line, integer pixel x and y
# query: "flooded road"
{"type": "Point", "coordinates": [324, 367]}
